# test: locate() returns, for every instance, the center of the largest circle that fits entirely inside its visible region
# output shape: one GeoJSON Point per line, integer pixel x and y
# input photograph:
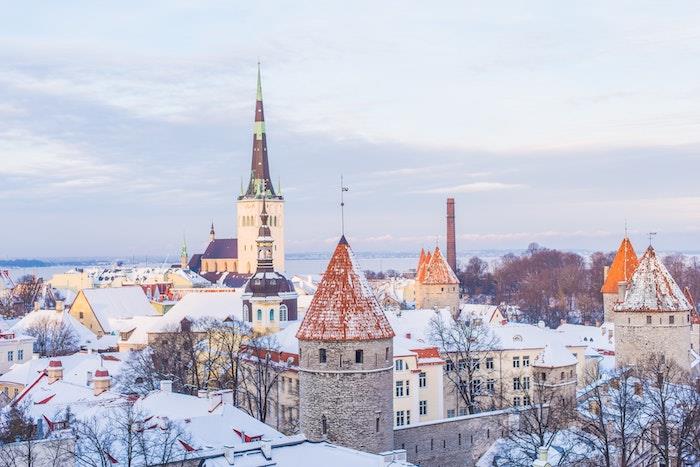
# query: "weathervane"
{"type": "Point", "coordinates": [651, 237]}
{"type": "Point", "coordinates": [343, 189]}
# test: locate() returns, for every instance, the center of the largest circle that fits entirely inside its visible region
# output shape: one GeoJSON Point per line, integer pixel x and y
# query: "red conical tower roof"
{"type": "Point", "coordinates": [423, 267]}
{"type": "Point", "coordinates": [344, 307]}
{"type": "Point", "coordinates": [622, 267]}
{"type": "Point", "coordinates": [438, 271]}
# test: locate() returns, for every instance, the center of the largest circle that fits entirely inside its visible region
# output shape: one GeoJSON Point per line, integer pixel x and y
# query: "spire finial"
{"type": "Point", "coordinates": [343, 189]}
{"type": "Point", "coordinates": [626, 236]}
{"type": "Point", "coordinates": [258, 94]}
{"type": "Point", "coordinates": [651, 237]}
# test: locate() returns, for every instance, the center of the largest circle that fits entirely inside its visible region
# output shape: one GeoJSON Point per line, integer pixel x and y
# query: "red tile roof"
{"type": "Point", "coordinates": [622, 267]}
{"type": "Point", "coordinates": [438, 271]}
{"type": "Point", "coordinates": [344, 307]}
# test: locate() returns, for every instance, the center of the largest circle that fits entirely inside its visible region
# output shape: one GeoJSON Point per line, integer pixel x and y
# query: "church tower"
{"type": "Point", "coordinates": [250, 202]}
{"type": "Point", "coordinates": [346, 361]}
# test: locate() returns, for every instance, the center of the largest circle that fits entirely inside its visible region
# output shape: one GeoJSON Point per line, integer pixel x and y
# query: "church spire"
{"type": "Point", "coordinates": [260, 184]}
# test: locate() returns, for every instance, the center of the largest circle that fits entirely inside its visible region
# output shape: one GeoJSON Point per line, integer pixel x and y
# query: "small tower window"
{"type": "Point", "coordinates": [324, 425]}
{"type": "Point", "coordinates": [359, 356]}
{"type": "Point", "coordinates": [671, 319]}
{"type": "Point", "coordinates": [376, 425]}
{"type": "Point", "coordinates": [322, 355]}
{"type": "Point", "coordinates": [283, 313]}
{"type": "Point", "coordinates": [648, 319]}
{"type": "Point", "coordinates": [386, 354]}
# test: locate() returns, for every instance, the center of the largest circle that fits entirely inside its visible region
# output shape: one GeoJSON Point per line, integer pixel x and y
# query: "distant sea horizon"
{"type": "Point", "coordinates": [296, 263]}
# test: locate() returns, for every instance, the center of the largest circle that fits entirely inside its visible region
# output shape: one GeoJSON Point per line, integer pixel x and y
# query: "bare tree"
{"type": "Point", "coordinates": [466, 343]}
{"type": "Point", "coordinates": [672, 410]}
{"type": "Point", "coordinates": [609, 416]}
{"type": "Point", "coordinates": [53, 338]}
{"type": "Point", "coordinates": [231, 336]}
{"type": "Point", "coordinates": [95, 443]}
{"type": "Point", "coordinates": [138, 374]}
{"type": "Point", "coordinates": [261, 372]}
{"type": "Point", "coordinates": [161, 443]}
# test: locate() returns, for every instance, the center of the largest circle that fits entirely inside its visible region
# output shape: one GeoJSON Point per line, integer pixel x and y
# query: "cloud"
{"type": "Point", "coordinates": [476, 187]}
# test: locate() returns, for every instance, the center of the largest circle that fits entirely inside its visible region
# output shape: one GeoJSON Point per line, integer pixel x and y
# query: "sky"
{"type": "Point", "coordinates": [126, 125]}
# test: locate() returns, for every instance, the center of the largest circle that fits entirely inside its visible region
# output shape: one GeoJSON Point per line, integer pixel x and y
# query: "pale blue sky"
{"type": "Point", "coordinates": [124, 124]}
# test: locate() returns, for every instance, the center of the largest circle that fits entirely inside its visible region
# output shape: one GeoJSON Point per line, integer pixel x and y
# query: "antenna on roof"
{"type": "Point", "coordinates": [651, 237]}
{"type": "Point", "coordinates": [343, 189]}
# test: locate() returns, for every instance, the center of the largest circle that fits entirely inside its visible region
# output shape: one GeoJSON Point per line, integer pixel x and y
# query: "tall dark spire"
{"type": "Point", "coordinates": [260, 183]}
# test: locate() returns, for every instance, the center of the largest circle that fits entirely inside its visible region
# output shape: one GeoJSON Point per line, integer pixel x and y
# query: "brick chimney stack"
{"type": "Point", "coordinates": [451, 245]}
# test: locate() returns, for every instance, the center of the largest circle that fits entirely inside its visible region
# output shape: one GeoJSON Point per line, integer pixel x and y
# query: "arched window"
{"type": "Point", "coordinates": [272, 314]}
{"type": "Point", "coordinates": [259, 315]}
{"type": "Point", "coordinates": [283, 313]}
{"type": "Point", "coordinates": [246, 313]}
{"type": "Point", "coordinates": [324, 425]}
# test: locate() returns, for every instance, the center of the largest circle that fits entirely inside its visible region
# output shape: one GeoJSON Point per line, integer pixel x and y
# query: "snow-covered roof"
{"type": "Point", "coordinates": [598, 338]}
{"type": "Point", "coordinates": [86, 338]}
{"type": "Point", "coordinates": [219, 305]}
{"type": "Point", "coordinates": [652, 288]}
{"type": "Point", "coordinates": [478, 311]}
{"type": "Point", "coordinates": [296, 451]}
{"type": "Point", "coordinates": [554, 355]}
{"type": "Point", "coordinates": [25, 373]}
{"type": "Point", "coordinates": [117, 302]}
{"type": "Point", "coordinates": [437, 271]}
{"type": "Point", "coordinates": [344, 307]}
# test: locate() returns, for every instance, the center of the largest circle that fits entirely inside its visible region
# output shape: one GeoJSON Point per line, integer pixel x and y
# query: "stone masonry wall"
{"type": "Point", "coordinates": [351, 396]}
{"type": "Point", "coordinates": [636, 340]}
{"type": "Point", "coordinates": [454, 442]}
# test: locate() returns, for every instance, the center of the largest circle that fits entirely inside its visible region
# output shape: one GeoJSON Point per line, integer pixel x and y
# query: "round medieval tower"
{"type": "Point", "coordinates": [346, 361]}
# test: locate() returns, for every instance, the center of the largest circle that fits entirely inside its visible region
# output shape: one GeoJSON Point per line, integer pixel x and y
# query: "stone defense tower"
{"type": "Point", "coordinates": [346, 361]}
{"type": "Point", "coordinates": [652, 316]}
{"type": "Point", "coordinates": [250, 202]}
{"type": "Point", "coordinates": [451, 242]}
{"type": "Point", "coordinates": [436, 283]}
{"type": "Point", "coordinates": [623, 266]}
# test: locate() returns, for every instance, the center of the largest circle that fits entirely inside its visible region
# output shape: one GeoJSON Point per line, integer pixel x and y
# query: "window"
{"type": "Point", "coordinates": [526, 360]}
{"type": "Point", "coordinates": [526, 383]}
{"type": "Point", "coordinates": [80, 315]}
{"type": "Point", "coordinates": [10, 356]}
{"type": "Point", "coordinates": [399, 389]}
{"type": "Point", "coordinates": [246, 312]}
{"type": "Point", "coordinates": [462, 364]}
{"type": "Point", "coordinates": [489, 363]}
{"type": "Point", "coordinates": [322, 356]}
{"type": "Point", "coordinates": [259, 315]}
{"type": "Point", "coordinates": [284, 313]}
{"type": "Point", "coordinates": [463, 411]}
{"type": "Point", "coordinates": [376, 425]}
{"type": "Point", "coordinates": [408, 388]}
{"type": "Point", "coordinates": [475, 364]}
{"type": "Point", "coordinates": [561, 376]}
{"type": "Point", "coordinates": [386, 354]}
{"type": "Point", "coordinates": [359, 357]}
{"type": "Point", "coordinates": [516, 384]}
{"type": "Point", "coordinates": [526, 399]}
{"type": "Point", "coordinates": [543, 376]}
{"type": "Point", "coordinates": [516, 401]}
{"type": "Point", "coordinates": [671, 319]}
{"type": "Point", "coordinates": [450, 413]}
{"type": "Point", "coordinates": [648, 319]}
{"type": "Point", "coordinates": [423, 407]}
{"type": "Point", "coordinates": [400, 418]}
{"type": "Point", "coordinates": [490, 386]}
{"type": "Point", "coordinates": [324, 424]}
{"type": "Point", "coordinates": [421, 379]}
{"type": "Point", "coordinates": [408, 417]}
{"type": "Point", "coordinates": [20, 355]}
{"type": "Point", "coordinates": [476, 386]}
{"type": "Point", "coordinates": [449, 366]}
{"type": "Point", "coordinates": [516, 362]}
{"type": "Point", "coordinates": [398, 365]}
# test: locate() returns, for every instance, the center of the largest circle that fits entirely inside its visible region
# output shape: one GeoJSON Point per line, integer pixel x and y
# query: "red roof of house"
{"type": "Point", "coordinates": [344, 307]}
{"type": "Point", "coordinates": [101, 373]}
{"type": "Point", "coordinates": [622, 267]}
{"type": "Point", "coordinates": [438, 271]}
{"type": "Point", "coordinates": [55, 364]}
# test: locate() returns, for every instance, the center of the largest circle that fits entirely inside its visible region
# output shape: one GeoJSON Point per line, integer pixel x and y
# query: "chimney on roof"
{"type": "Point", "coordinates": [266, 449]}
{"type": "Point", "coordinates": [230, 454]}
{"type": "Point", "coordinates": [597, 323]}
{"type": "Point", "coordinates": [54, 371]}
{"type": "Point", "coordinates": [60, 306]}
{"type": "Point", "coordinates": [202, 393]}
{"type": "Point", "coordinates": [562, 321]}
{"type": "Point", "coordinates": [101, 381]}
{"type": "Point", "coordinates": [451, 243]}
{"type": "Point", "coordinates": [621, 290]}
{"type": "Point", "coordinates": [542, 457]}
{"type": "Point", "coordinates": [37, 306]}
{"type": "Point", "coordinates": [166, 385]}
